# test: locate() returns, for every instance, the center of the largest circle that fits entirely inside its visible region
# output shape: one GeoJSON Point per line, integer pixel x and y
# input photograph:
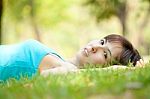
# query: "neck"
{"type": "Point", "coordinates": [74, 61]}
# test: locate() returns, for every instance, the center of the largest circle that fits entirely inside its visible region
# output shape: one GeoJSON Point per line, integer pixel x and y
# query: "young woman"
{"type": "Point", "coordinates": [29, 57]}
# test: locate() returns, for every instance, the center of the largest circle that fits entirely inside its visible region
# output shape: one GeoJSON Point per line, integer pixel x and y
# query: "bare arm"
{"type": "Point", "coordinates": [63, 69]}
{"type": "Point", "coordinates": [51, 64]}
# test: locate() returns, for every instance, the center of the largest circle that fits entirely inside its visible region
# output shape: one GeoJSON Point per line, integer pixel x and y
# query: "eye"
{"type": "Point", "coordinates": [105, 54]}
{"type": "Point", "coordinates": [102, 42]}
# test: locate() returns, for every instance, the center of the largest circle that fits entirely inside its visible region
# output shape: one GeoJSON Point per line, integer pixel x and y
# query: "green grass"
{"type": "Point", "coordinates": [97, 84]}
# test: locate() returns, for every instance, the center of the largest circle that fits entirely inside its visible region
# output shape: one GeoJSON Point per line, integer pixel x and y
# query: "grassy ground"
{"type": "Point", "coordinates": [97, 84]}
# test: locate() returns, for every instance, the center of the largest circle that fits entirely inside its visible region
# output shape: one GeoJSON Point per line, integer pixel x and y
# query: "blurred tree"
{"type": "Point", "coordinates": [16, 9]}
{"type": "Point", "coordinates": [33, 21]}
{"type": "Point", "coordinates": [1, 12]}
{"type": "Point", "coordinates": [41, 13]}
{"type": "Point", "coordinates": [146, 17]}
{"type": "Point", "coordinates": [140, 41]}
{"type": "Point", "coordinates": [104, 9]}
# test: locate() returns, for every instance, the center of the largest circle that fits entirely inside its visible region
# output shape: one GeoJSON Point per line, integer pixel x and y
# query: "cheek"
{"type": "Point", "coordinates": [97, 59]}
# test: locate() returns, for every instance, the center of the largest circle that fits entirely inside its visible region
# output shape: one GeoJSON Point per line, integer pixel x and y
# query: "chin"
{"type": "Point", "coordinates": [80, 60]}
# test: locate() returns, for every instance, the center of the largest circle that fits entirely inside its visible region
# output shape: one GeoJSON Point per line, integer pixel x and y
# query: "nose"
{"type": "Point", "coordinates": [94, 50]}
{"type": "Point", "coordinates": [96, 47]}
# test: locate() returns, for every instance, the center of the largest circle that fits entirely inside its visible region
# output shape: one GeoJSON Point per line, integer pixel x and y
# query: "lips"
{"type": "Point", "coordinates": [86, 52]}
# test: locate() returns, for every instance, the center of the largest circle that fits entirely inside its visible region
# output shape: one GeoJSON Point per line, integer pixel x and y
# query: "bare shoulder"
{"type": "Point", "coordinates": [50, 61]}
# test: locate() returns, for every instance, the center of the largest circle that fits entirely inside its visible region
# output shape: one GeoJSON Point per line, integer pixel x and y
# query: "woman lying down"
{"type": "Point", "coordinates": [29, 57]}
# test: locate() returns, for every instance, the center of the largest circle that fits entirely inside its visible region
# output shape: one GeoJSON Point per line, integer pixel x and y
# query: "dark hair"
{"type": "Point", "coordinates": [129, 53]}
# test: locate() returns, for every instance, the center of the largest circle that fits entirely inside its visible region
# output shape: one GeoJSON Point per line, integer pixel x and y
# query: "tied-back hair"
{"type": "Point", "coordinates": [128, 54]}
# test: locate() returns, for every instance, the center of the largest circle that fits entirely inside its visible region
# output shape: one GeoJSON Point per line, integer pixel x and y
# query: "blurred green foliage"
{"type": "Point", "coordinates": [104, 9]}
{"type": "Point", "coordinates": [47, 12]}
{"type": "Point", "coordinates": [67, 25]}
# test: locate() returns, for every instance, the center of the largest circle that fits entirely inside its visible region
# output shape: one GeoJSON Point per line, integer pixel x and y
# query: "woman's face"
{"type": "Point", "coordinates": [99, 52]}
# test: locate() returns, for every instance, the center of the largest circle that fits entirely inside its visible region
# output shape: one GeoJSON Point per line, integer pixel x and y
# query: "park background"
{"type": "Point", "coordinates": [67, 25]}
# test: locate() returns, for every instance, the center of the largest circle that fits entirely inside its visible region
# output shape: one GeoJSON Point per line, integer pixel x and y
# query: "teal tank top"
{"type": "Point", "coordinates": [22, 59]}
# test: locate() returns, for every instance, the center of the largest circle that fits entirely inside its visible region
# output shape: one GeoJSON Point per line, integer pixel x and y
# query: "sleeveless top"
{"type": "Point", "coordinates": [22, 59]}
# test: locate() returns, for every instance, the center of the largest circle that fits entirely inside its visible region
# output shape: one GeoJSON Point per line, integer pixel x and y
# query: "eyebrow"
{"type": "Point", "coordinates": [109, 52]}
